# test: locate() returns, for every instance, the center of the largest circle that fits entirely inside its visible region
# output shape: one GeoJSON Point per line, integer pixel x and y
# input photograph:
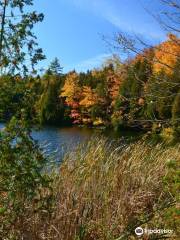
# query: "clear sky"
{"type": "Point", "coordinates": [72, 29]}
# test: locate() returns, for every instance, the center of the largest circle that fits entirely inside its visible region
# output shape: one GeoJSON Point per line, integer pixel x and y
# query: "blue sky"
{"type": "Point", "coordinates": [72, 29]}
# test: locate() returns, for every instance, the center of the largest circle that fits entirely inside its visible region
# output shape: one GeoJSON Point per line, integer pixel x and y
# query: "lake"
{"type": "Point", "coordinates": [56, 141]}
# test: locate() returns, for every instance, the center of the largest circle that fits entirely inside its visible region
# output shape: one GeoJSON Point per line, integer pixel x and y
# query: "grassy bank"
{"type": "Point", "coordinates": [105, 190]}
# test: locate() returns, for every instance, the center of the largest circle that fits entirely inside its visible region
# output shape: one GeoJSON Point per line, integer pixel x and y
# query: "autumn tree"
{"type": "Point", "coordinates": [166, 55]}
{"type": "Point", "coordinates": [71, 92]}
{"type": "Point", "coordinates": [162, 86]}
{"type": "Point", "coordinates": [88, 100]}
{"type": "Point", "coordinates": [114, 76]}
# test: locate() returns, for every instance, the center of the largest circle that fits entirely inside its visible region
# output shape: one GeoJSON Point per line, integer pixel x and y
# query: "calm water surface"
{"type": "Point", "coordinates": [57, 141]}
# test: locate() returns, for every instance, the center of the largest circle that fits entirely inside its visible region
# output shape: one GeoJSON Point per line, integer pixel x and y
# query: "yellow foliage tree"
{"type": "Point", "coordinates": [89, 97]}
{"type": "Point", "coordinates": [71, 89]}
{"type": "Point", "coordinates": [166, 55]}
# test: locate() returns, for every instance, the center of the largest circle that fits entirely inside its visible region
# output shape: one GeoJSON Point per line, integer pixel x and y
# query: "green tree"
{"type": "Point", "coordinates": [24, 186]}
{"type": "Point", "coordinates": [11, 94]}
{"type": "Point", "coordinates": [17, 41]}
{"type": "Point", "coordinates": [55, 67]}
{"type": "Point", "coordinates": [176, 114]}
{"type": "Point", "coordinates": [50, 107]}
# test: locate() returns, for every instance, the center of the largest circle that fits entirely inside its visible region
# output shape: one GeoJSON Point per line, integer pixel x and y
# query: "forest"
{"type": "Point", "coordinates": [103, 188]}
{"type": "Point", "coordinates": [141, 93]}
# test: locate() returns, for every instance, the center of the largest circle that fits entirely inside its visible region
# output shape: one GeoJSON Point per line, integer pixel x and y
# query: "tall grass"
{"type": "Point", "coordinates": [105, 190]}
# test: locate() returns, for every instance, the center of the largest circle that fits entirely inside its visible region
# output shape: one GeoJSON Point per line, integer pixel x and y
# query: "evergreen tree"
{"type": "Point", "coordinates": [50, 107]}
{"type": "Point", "coordinates": [55, 67]}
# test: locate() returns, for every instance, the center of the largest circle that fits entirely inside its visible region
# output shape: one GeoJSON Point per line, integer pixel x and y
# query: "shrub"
{"type": "Point", "coordinates": [24, 187]}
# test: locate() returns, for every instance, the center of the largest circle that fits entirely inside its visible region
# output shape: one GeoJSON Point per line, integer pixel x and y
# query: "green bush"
{"type": "Point", "coordinates": [24, 186]}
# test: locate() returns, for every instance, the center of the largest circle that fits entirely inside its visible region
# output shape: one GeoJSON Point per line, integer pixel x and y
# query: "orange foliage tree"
{"type": "Point", "coordinates": [166, 55]}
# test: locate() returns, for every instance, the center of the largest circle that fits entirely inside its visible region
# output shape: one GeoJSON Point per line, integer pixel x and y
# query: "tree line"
{"type": "Point", "coordinates": [141, 92]}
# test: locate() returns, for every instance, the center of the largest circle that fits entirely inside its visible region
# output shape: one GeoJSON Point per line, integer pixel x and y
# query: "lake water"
{"type": "Point", "coordinates": [57, 141]}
